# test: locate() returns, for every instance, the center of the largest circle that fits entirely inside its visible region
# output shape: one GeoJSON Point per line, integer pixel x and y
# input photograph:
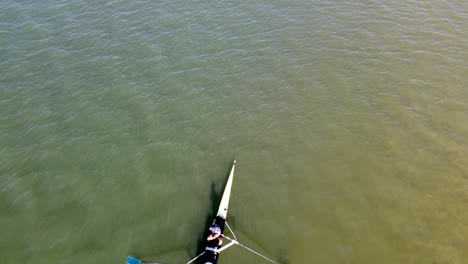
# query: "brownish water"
{"type": "Point", "coordinates": [349, 122]}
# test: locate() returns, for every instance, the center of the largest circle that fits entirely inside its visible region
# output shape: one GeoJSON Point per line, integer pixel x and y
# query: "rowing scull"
{"type": "Point", "coordinates": [213, 248]}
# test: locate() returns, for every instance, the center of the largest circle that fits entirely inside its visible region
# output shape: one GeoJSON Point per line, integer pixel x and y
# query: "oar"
{"type": "Point", "coordinates": [251, 250]}
{"type": "Point", "coordinates": [133, 260]}
{"type": "Point", "coordinates": [196, 258]}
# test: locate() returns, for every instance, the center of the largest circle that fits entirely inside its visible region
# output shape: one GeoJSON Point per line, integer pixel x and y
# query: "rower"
{"type": "Point", "coordinates": [216, 231]}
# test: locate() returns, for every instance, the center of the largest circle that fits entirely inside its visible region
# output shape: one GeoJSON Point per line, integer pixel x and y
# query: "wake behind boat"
{"type": "Point", "coordinates": [214, 241]}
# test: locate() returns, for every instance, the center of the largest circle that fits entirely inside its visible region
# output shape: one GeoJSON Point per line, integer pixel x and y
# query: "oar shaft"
{"type": "Point", "coordinates": [258, 254]}
{"type": "Point", "coordinates": [196, 258]}
{"type": "Point", "coordinates": [251, 250]}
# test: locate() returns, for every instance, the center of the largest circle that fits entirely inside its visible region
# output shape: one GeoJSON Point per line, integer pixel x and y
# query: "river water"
{"type": "Point", "coordinates": [119, 121]}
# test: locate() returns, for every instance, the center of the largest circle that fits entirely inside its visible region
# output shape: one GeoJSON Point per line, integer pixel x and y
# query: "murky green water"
{"type": "Point", "coordinates": [349, 121]}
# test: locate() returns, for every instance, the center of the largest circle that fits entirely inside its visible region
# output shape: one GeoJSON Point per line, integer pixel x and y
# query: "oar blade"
{"type": "Point", "coordinates": [132, 260]}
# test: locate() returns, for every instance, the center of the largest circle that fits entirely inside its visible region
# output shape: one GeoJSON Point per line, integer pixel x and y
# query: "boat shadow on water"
{"type": "Point", "coordinates": [218, 204]}
{"type": "Point", "coordinates": [215, 196]}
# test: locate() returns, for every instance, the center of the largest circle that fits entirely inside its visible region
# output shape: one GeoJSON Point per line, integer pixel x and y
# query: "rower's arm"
{"type": "Point", "coordinates": [213, 236]}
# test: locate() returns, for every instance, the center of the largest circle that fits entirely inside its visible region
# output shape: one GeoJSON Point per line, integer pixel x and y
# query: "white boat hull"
{"type": "Point", "coordinates": [223, 206]}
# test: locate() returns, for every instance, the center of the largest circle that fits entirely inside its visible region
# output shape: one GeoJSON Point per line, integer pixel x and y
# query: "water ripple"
{"type": "Point", "coordinates": [339, 111]}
